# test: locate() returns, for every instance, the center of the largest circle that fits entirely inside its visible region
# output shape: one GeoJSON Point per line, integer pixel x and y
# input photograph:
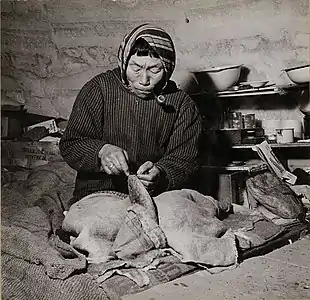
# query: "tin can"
{"type": "Point", "coordinates": [249, 121]}
{"type": "Point", "coordinates": [235, 120]}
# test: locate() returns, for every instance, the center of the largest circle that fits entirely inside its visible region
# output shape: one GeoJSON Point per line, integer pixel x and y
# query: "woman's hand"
{"type": "Point", "coordinates": [113, 160]}
{"type": "Point", "coordinates": [149, 175]}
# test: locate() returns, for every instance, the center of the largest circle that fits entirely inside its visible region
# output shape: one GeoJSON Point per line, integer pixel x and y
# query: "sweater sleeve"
{"type": "Point", "coordinates": [180, 160]}
{"type": "Point", "coordinates": [82, 139]}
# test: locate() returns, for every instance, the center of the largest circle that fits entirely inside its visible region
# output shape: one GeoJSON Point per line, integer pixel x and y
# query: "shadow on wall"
{"type": "Point", "coordinates": [214, 149]}
{"type": "Point", "coordinates": [244, 73]}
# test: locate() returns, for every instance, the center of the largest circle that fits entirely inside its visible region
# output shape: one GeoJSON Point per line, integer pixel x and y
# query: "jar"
{"type": "Point", "coordinates": [235, 120]}
{"type": "Point", "coordinates": [249, 121]}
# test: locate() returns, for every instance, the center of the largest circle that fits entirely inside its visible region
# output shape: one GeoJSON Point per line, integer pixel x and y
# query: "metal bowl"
{"type": "Point", "coordinates": [299, 74]}
{"type": "Point", "coordinates": [218, 78]}
{"type": "Point", "coordinates": [254, 84]}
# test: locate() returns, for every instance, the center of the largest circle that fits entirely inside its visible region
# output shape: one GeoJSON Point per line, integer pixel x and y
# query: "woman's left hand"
{"type": "Point", "coordinates": [149, 175]}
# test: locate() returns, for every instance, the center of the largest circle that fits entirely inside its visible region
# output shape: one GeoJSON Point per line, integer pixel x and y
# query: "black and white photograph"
{"type": "Point", "coordinates": [155, 150]}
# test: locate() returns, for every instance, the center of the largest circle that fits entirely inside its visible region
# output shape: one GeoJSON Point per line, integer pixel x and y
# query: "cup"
{"type": "Point", "coordinates": [285, 135]}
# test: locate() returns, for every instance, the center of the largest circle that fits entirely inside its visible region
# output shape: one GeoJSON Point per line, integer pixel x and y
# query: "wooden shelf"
{"type": "Point", "coordinates": [248, 167]}
{"type": "Point", "coordinates": [267, 90]}
{"type": "Point", "coordinates": [271, 90]}
{"type": "Point", "coordinates": [288, 145]}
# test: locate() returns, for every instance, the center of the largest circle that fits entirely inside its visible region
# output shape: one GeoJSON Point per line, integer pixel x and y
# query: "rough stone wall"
{"type": "Point", "coordinates": [51, 48]}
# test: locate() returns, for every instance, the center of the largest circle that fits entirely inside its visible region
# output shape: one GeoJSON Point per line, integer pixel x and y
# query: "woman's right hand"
{"type": "Point", "coordinates": [113, 160]}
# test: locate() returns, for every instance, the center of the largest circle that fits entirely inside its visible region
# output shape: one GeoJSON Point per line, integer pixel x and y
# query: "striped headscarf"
{"type": "Point", "coordinates": [157, 38]}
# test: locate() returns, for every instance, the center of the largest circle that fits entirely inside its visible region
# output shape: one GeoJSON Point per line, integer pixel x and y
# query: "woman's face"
{"type": "Point", "coordinates": [143, 74]}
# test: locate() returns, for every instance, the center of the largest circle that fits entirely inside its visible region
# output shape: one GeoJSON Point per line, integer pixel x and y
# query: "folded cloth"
{"type": "Point", "coordinates": [268, 190]}
{"type": "Point", "coordinates": [138, 234]}
{"type": "Point", "coordinates": [140, 231]}
{"type": "Point", "coordinates": [48, 186]}
{"type": "Point", "coordinates": [137, 275]}
{"type": "Point", "coordinates": [273, 217]}
{"type": "Point", "coordinates": [162, 270]}
{"type": "Point", "coordinates": [22, 280]}
{"type": "Point", "coordinates": [143, 263]}
{"type": "Point", "coordinates": [36, 264]}
{"type": "Point", "coordinates": [251, 227]}
{"type": "Point", "coordinates": [27, 236]}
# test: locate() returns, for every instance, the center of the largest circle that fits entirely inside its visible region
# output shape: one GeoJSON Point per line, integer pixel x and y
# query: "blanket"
{"type": "Point", "coordinates": [37, 253]}
{"type": "Point", "coordinates": [32, 254]}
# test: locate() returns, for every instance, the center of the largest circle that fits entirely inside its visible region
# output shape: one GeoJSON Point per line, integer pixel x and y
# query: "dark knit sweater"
{"type": "Point", "coordinates": [106, 112]}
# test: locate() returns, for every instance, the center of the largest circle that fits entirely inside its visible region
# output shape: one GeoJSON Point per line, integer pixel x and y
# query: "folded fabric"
{"type": "Point", "coordinates": [138, 234]}
{"type": "Point", "coordinates": [273, 217]}
{"type": "Point", "coordinates": [27, 236]}
{"type": "Point", "coordinates": [268, 190]}
{"type": "Point", "coordinates": [140, 231]}
{"type": "Point", "coordinates": [22, 280]}
{"type": "Point", "coordinates": [251, 227]}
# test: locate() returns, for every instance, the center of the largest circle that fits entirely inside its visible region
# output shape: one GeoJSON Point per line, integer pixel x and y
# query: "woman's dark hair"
{"type": "Point", "coordinates": [142, 48]}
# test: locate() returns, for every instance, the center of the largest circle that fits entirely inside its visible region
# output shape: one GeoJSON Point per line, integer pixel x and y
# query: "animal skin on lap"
{"type": "Point", "coordinates": [192, 229]}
